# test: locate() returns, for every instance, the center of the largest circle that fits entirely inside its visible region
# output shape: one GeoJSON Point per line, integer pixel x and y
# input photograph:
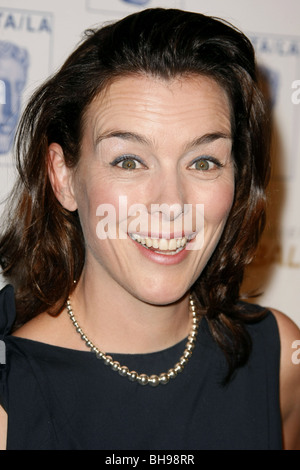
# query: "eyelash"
{"type": "Point", "coordinates": [124, 158]}
{"type": "Point", "coordinates": [206, 159]}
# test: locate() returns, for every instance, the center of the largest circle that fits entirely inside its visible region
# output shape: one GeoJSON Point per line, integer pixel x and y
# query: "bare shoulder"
{"type": "Point", "coordinates": [286, 325]}
{"type": "Point", "coordinates": [290, 341]}
{"type": "Point", "coordinates": [3, 428]}
{"type": "Point", "coordinates": [289, 379]}
{"type": "Point", "coordinates": [290, 345]}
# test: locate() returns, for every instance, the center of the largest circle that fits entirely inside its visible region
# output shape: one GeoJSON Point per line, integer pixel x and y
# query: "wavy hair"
{"type": "Point", "coordinates": [42, 249]}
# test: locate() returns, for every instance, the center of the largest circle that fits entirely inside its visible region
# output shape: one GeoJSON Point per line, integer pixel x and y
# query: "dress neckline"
{"type": "Point", "coordinates": [41, 346]}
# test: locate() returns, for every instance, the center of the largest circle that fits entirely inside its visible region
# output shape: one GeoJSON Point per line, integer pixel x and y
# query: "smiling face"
{"type": "Point", "coordinates": [166, 146]}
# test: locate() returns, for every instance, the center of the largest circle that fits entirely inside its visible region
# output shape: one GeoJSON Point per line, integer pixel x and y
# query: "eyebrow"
{"type": "Point", "coordinates": [134, 137]}
{"type": "Point", "coordinates": [207, 139]}
{"type": "Point", "coordinates": [130, 136]}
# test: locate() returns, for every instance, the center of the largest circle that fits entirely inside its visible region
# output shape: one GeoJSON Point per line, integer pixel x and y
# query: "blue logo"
{"type": "Point", "coordinates": [14, 62]}
{"type": "Point", "coordinates": [270, 84]}
{"type": "Point", "coordinates": [137, 2]}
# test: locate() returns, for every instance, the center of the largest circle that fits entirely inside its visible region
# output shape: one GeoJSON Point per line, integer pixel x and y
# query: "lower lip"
{"type": "Point", "coordinates": [161, 258]}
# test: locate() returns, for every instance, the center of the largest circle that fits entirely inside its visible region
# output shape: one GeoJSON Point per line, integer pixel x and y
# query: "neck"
{"type": "Point", "coordinates": [118, 322]}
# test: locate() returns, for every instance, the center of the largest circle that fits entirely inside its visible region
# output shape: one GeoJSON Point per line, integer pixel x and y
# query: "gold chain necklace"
{"type": "Point", "coordinates": [133, 376]}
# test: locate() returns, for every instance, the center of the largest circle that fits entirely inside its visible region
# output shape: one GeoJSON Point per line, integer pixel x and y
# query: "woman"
{"type": "Point", "coordinates": [143, 164]}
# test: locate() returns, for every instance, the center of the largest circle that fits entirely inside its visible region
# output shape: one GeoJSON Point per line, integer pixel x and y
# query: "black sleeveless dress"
{"type": "Point", "coordinates": [62, 399]}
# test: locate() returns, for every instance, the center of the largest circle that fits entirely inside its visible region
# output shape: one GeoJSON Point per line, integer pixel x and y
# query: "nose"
{"type": "Point", "coordinates": [169, 196]}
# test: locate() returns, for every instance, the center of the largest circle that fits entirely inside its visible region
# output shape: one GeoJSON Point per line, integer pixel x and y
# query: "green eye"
{"type": "Point", "coordinates": [206, 164]}
{"type": "Point", "coordinates": [202, 165]}
{"type": "Point", "coordinates": [128, 164]}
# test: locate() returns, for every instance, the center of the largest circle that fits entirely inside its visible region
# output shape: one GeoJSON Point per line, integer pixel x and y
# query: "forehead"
{"type": "Point", "coordinates": [195, 103]}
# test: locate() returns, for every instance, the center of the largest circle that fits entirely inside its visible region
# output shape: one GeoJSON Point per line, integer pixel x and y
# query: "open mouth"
{"type": "Point", "coordinates": [163, 246]}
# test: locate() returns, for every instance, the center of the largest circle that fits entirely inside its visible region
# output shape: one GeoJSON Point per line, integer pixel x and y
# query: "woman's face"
{"type": "Point", "coordinates": [154, 184]}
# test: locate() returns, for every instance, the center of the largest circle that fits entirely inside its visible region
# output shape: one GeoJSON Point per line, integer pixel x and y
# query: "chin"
{"type": "Point", "coordinates": [163, 296]}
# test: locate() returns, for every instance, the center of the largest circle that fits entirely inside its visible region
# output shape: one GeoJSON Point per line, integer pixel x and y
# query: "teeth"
{"type": "Point", "coordinates": [161, 244]}
{"type": "Point", "coordinates": [148, 242]}
{"type": "Point", "coordinates": [173, 244]}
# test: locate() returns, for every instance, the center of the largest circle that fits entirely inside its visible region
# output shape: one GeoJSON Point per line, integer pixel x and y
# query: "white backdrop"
{"type": "Point", "coordinates": [44, 32]}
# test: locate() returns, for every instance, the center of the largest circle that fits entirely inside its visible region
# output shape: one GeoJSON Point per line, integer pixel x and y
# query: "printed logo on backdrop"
{"type": "Point", "coordinates": [279, 60]}
{"type": "Point", "coordinates": [25, 60]}
{"type": "Point", "coordinates": [14, 61]}
{"type": "Point", "coordinates": [129, 6]}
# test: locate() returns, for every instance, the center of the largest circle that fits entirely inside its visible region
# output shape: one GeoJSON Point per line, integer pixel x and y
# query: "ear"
{"type": "Point", "coordinates": [61, 177]}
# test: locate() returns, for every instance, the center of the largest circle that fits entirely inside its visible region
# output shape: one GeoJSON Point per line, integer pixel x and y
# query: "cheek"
{"type": "Point", "coordinates": [88, 198]}
{"type": "Point", "coordinates": [217, 204]}
{"type": "Point", "coordinates": [102, 207]}
{"type": "Point", "coordinates": [91, 193]}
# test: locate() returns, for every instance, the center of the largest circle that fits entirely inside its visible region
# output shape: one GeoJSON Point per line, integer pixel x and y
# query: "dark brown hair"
{"type": "Point", "coordinates": [42, 247]}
